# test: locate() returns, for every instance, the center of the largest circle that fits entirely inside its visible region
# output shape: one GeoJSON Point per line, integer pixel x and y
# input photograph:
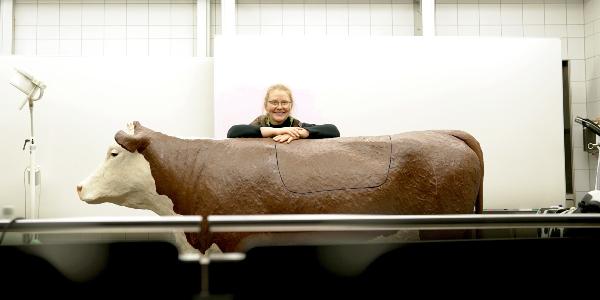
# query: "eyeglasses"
{"type": "Point", "coordinates": [282, 103]}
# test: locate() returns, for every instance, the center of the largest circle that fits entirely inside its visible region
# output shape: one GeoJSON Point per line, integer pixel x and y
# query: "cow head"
{"type": "Point", "coordinates": [124, 178]}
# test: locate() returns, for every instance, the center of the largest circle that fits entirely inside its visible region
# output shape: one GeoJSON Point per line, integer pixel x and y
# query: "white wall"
{"type": "Point", "coordinates": [105, 27]}
{"type": "Point", "coordinates": [319, 17]}
{"type": "Point", "coordinates": [591, 107]}
{"type": "Point", "coordinates": [87, 101]}
{"type": "Point", "coordinates": [562, 19]}
{"type": "Point", "coordinates": [506, 92]}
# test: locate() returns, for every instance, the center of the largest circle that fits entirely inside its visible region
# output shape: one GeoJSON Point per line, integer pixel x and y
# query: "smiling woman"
{"type": "Point", "coordinates": [278, 123]}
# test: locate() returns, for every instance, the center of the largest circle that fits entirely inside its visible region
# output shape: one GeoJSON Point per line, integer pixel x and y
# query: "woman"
{"type": "Point", "coordinates": [279, 124]}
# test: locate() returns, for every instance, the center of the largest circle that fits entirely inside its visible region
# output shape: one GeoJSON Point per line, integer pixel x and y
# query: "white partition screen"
{"type": "Point", "coordinates": [86, 102]}
{"type": "Point", "coordinates": [505, 92]}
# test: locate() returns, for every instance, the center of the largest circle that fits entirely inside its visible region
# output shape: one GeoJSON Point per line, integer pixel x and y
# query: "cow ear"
{"type": "Point", "coordinates": [138, 129]}
{"type": "Point", "coordinates": [131, 142]}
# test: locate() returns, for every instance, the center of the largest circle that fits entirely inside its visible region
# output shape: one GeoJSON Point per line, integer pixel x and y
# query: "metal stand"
{"type": "Point", "coordinates": [32, 213]}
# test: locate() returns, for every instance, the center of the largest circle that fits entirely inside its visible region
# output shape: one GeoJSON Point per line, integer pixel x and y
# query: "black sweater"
{"type": "Point", "coordinates": [314, 131]}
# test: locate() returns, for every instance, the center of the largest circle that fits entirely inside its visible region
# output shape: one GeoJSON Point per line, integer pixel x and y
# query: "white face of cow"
{"type": "Point", "coordinates": [123, 179]}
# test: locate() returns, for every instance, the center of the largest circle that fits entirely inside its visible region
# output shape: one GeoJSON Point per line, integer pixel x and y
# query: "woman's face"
{"type": "Point", "coordinates": [278, 106]}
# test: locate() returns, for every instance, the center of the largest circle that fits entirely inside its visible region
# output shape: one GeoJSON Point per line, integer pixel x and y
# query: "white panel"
{"type": "Point", "coordinates": [182, 14]}
{"type": "Point", "coordinates": [576, 48]}
{"type": "Point", "coordinates": [25, 47]}
{"type": "Point", "coordinates": [556, 30]}
{"type": "Point", "coordinates": [159, 47]}
{"type": "Point", "coordinates": [271, 30]}
{"type": "Point", "coordinates": [25, 14]}
{"type": "Point", "coordinates": [577, 89]}
{"type": "Point", "coordinates": [403, 14]}
{"type": "Point", "coordinates": [468, 14]}
{"type": "Point", "coordinates": [26, 32]}
{"type": "Point", "coordinates": [137, 14]}
{"type": "Point", "coordinates": [137, 32]}
{"type": "Point", "coordinates": [43, 32]}
{"type": "Point", "coordinates": [159, 32]}
{"type": "Point", "coordinates": [575, 31]}
{"type": "Point", "coordinates": [270, 14]}
{"type": "Point", "coordinates": [446, 30]}
{"type": "Point", "coordinates": [381, 15]}
{"type": "Point", "coordinates": [489, 14]}
{"type": "Point", "coordinates": [534, 31]}
{"type": "Point", "coordinates": [115, 47]}
{"type": "Point", "coordinates": [533, 14]}
{"type": "Point", "coordinates": [182, 47]}
{"type": "Point", "coordinates": [493, 78]}
{"type": "Point", "coordinates": [359, 15]}
{"type": "Point", "coordinates": [70, 48]}
{"type": "Point", "coordinates": [92, 48]}
{"type": "Point", "coordinates": [575, 13]}
{"type": "Point", "coordinates": [315, 15]}
{"type": "Point", "coordinates": [70, 32]}
{"type": "Point", "coordinates": [512, 30]}
{"type": "Point", "coordinates": [359, 31]}
{"type": "Point", "coordinates": [292, 31]}
{"type": "Point", "coordinates": [468, 30]}
{"type": "Point", "coordinates": [248, 14]}
{"type": "Point", "coordinates": [159, 14]}
{"type": "Point", "coordinates": [70, 14]}
{"type": "Point", "coordinates": [115, 32]}
{"type": "Point", "coordinates": [115, 14]}
{"type": "Point", "coordinates": [293, 14]}
{"type": "Point", "coordinates": [78, 116]}
{"type": "Point", "coordinates": [337, 15]}
{"type": "Point", "coordinates": [92, 32]}
{"type": "Point", "coordinates": [47, 47]}
{"type": "Point", "coordinates": [337, 31]}
{"type": "Point", "coordinates": [511, 14]}
{"type": "Point", "coordinates": [137, 47]}
{"type": "Point", "coordinates": [577, 70]}
{"type": "Point", "coordinates": [490, 30]}
{"type": "Point", "coordinates": [182, 32]}
{"type": "Point", "coordinates": [92, 14]}
{"type": "Point", "coordinates": [403, 30]}
{"type": "Point", "coordinates": [556, 14]}
{"type": "Point", "coordinates": [48, 14]}
{"type": "Point", "coordinates": [580, 159]}
{"type": "Point", "coordinates": [381, 31]}
{"type": "Point", "coordinates": [315, 31]}
{"type": "Point", "coordinates": [445, 14]}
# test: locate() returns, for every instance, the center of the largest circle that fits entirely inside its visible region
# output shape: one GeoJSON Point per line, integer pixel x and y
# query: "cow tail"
{"type": "Point", "coordinates": [476, 147]}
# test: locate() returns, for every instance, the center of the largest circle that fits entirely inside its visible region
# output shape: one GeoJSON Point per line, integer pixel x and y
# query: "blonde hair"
{"type": "Point", "coordinates": [278, 87]}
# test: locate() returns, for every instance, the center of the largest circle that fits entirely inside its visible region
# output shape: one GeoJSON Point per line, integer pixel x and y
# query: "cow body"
{"type": "Point", "coordinates": [428, 172]}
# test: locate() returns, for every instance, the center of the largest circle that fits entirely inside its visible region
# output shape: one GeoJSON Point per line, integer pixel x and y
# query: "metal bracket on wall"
{"type": "Point", "coordinates": [589, 141]}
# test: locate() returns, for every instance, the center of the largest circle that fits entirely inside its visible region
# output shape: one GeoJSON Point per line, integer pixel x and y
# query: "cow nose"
{"type": "Point", "coordinates": [79, 188]}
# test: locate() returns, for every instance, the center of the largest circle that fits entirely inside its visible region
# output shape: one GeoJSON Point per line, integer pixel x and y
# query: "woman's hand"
{"type": "Point", "coordinates": [296, 132]}
{"type": "Point", "coordinates": [288, 138]}
{"type": "Point", "coordinates": [284, 138]}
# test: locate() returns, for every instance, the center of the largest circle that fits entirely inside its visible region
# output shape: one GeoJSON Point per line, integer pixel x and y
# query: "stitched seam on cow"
{"type": "Point", "coordinates": [434, 175]}
{"type": "Point", "coordinates": [279, 171]}
{"type": "Point", "coordinates": [336, 189]}
{"type": "Point", "coordinates": [387, 175]}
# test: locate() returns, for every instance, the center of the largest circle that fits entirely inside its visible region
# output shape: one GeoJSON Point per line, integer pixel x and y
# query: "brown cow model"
{"type": "Point", "coordinates": [426, 172]}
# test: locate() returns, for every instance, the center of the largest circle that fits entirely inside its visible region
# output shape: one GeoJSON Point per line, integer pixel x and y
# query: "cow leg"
{"type": "Point", "coordinates": [214, 248]}
{"type": "Point", "coordinates": [182, 243]}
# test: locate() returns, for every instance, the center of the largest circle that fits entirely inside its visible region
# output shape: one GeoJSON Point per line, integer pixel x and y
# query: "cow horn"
{"type": "Point", "coordinates": [131, 142]}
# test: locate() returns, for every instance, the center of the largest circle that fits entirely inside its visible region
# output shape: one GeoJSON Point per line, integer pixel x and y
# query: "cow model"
{"type": "Point", "coordinates": [425, 172]}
